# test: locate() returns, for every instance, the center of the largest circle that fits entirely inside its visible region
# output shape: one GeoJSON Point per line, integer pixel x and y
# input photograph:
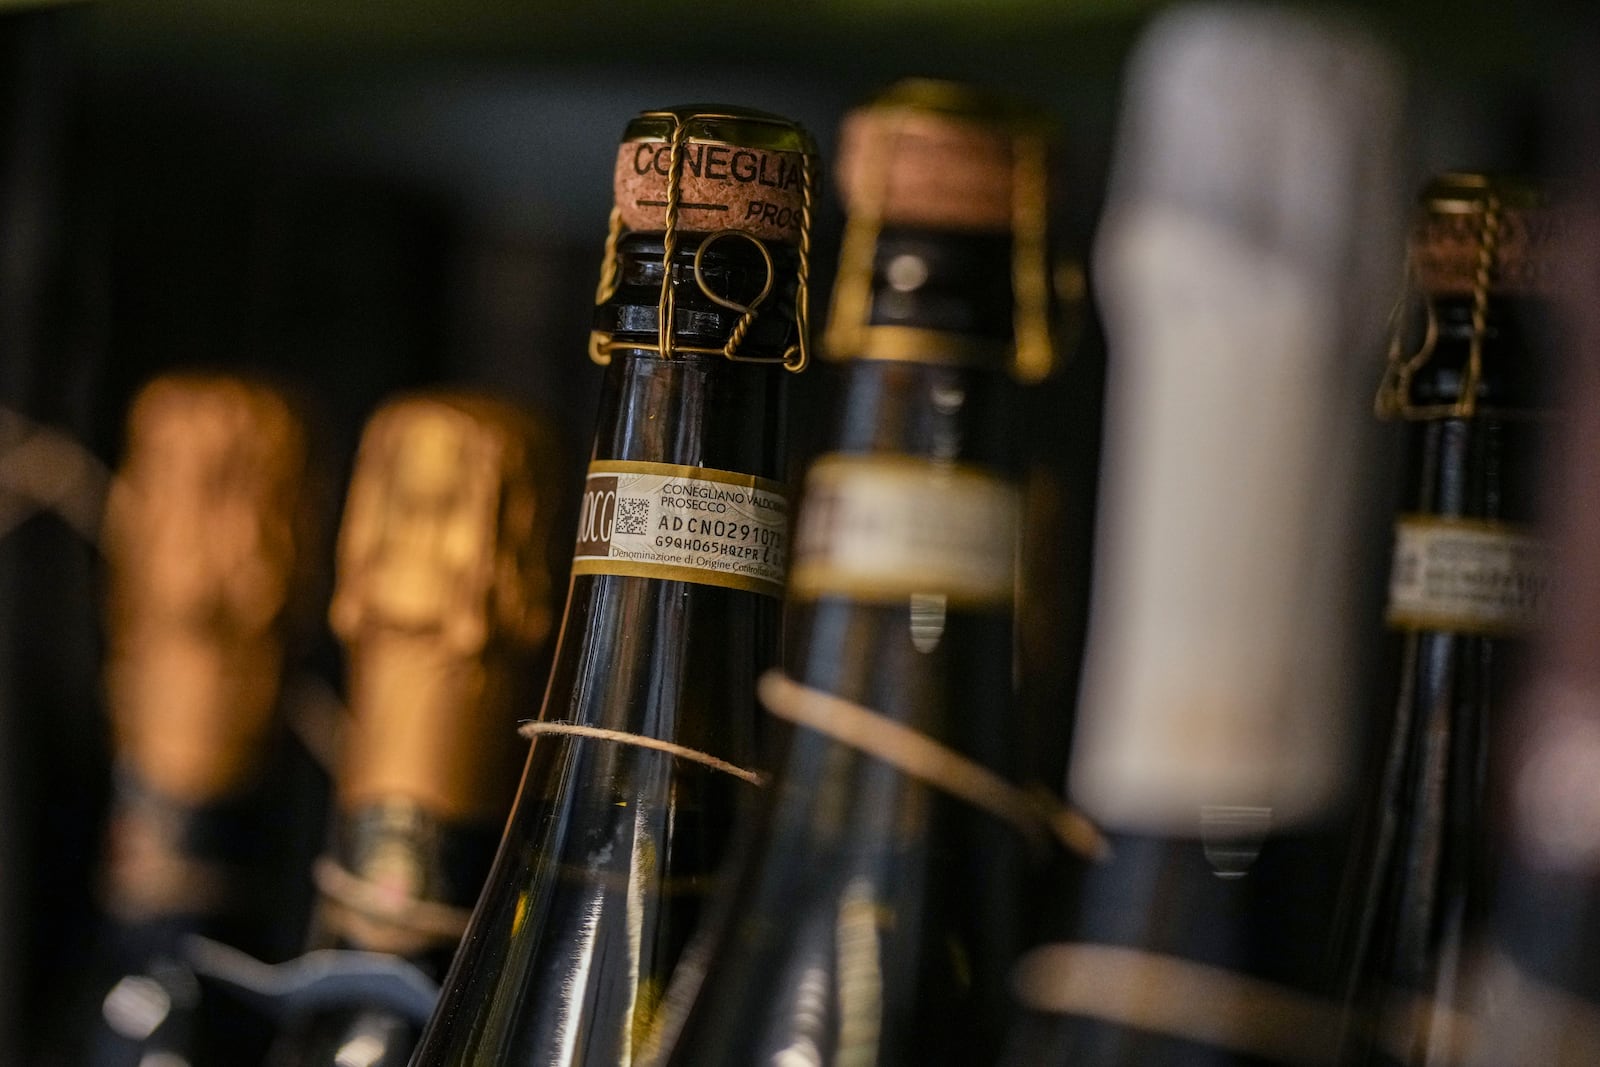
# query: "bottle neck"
{"type": "Point", "coordinates": [167, 859]}
{"type": "Point", "coordinates": [192, 713]}
{"type": "Point", "coordinates": [949, 283]}
{"type": "Point", "coordinates": [732, 268]}
{"type": "Point", "coordinates": [399, 868]}
{"type": "Point", "coordinates": [432, 726]}
{"type": "Point", "coordinates": [195, 739]}
{"type": "Point", "coordinates": [1510, 374]}
{"type": "Point", "coordinates": [931, 412]}
{"type": "Point", "coordinates": [904, 571]}
{"type": "Point", "coordinates": [697, 411]}
{"type": "Point", "coordinates": [429, 772]}
{"type": "Point", "coordinates": [672, 650]}
{"type": "Point", "coordinates": [1479, 468]}
{"type": "Point", "coordinates": [928, 296]}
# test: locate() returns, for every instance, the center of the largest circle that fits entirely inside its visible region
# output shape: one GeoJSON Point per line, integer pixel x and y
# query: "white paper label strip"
{"type": "Point", "coordinates": [1465, 576]}
{"type": "Point", "coordinates": [882, 528]}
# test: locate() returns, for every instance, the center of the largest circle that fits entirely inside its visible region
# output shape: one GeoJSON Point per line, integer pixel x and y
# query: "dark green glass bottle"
{"type": "Point", "coordinates": [1536, 994]}
{"type": "Point", "coordinates": [878, 909]}
{"type": "Point", "coordinates": [644, 749]}
{"type": "Point", "coordinates": [442, 596]}
{"type": "Point", "coordinates": [1467, 582]}
{"type": "Point", "coordinates": [207, 547]}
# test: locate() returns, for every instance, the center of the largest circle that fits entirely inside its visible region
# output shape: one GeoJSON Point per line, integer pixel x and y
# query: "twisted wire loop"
{"type": "Point", "coordinates": [748, 311]}
{"type": "Point", "coordinates": [1394, 391]}
{"type": "Point", "coordinates": [736, 336]}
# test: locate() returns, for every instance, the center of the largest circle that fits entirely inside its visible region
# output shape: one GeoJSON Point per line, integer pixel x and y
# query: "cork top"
{"type": "Point", "coordinates": [739, 169]}
{"type": "Point", "coordinates": [935, 154]}
{"type": "Point", "coordinates": [1465, 215]}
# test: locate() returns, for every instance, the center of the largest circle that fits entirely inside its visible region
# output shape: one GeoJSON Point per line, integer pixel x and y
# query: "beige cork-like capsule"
{"type": "Point", "coordinates": [738, 170]}
{"type": "Point", "coordinates": [443, 584]}
{"type": "Point", "coordinates": [1449, 239]}
{"type": "Point", "coordinates": [934, 154]}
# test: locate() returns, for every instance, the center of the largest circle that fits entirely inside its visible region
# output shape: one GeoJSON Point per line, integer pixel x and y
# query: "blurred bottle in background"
{"type": "Point", "coordinates": [443, 594]}
{"type": "Point", "coordinates": [879, 905]}
{"type": "Point", "coordinates": [1467, 581]}
{"type": "Point", "coordinates": [1536, 991]}
{"type": "Point", "coordinates": [1246, 259]}
{"type": "Point", "coordinates": [644, 747]}
{"type": "Point", "coordinates": [208, 543]}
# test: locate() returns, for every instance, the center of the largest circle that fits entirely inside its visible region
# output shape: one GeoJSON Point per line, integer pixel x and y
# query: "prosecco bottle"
{"type": "Point", "coordinates": [1466, 583]}
{"type": "Point", "coordinates": [1246, 252]}
{"type": "Point", "coordinates": [646, 742]}
{"type": "Point", "coordinates": [875, 916]}
{"type": "Point", "coordinates": [442, 596]}
{"type": "Point", "coordinates": [206, 542]}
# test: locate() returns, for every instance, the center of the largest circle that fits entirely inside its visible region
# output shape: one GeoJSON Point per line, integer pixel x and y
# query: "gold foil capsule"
{"type": "Point", "coordinates": [203, 539]}
{"type": "Point", "coordinates": [442, 590]}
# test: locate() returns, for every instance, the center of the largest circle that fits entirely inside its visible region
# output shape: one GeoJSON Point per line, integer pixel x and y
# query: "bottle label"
{"type": "Point", "coordinates": [884, 528]}
{"type": "Point", "coordinates": [1465, 576]}
{"type": "Point", "coordinates": [720, 187]}
{"type": "Point", "coordinates": [688, 524]}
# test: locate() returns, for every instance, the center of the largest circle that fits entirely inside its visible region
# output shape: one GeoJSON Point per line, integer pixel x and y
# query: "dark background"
{"type": "Point", "coordinates": [357, 198]}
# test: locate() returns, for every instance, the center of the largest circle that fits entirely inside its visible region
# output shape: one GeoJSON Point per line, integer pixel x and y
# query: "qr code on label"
{"type": "Point", "coordinates": [633, 512]}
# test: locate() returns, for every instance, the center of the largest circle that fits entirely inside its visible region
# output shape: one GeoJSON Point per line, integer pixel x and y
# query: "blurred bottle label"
{"type": "Point", "coordinates": [688, 524]}
{"type": "Point", "coordinates": [881, 528]}
{"type": "Point", "coordinates": [1465, 576]}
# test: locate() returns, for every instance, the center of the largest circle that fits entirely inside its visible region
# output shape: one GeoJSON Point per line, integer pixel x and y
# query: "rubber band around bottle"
{"type": "Point", "coordinates": [405, 917]}
{"type": "Point", "coordinates": [532, 730]}
{"type": "Point", "coordinates": [925, 759]}
{"type": "Point", "coordinates": [1179, 998]}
